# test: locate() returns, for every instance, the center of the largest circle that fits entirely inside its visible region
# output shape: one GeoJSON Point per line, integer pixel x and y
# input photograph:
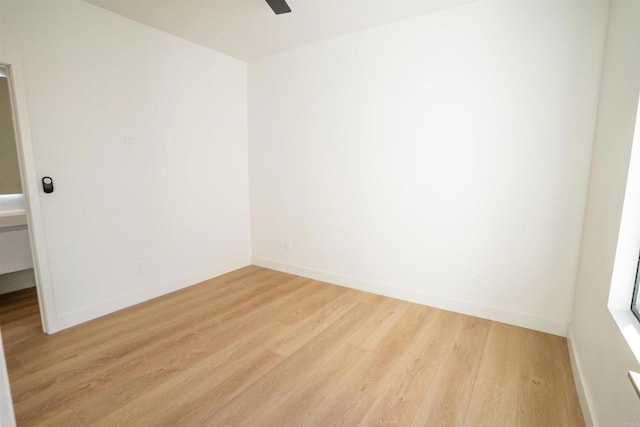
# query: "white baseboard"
{"type": "Point", "coordinates": [6, 288]}
{"type": "Point", "coordinates": [552, 326]}
{"type": "Point", "coordinates": [16, 281]}
{"type": "Point", "coordinates": [76, 317]}
{"type": "Point", "coordinates": [576, 368]}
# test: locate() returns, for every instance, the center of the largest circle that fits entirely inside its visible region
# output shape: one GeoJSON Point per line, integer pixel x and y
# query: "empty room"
{"type": "Point", "coordinates": [319, 213]}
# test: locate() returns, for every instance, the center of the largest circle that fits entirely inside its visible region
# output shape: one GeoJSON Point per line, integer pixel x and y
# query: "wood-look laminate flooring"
{"type": "Point", "coordinates": [257, 347]}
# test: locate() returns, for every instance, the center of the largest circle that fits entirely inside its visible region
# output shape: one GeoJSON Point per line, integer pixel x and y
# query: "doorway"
{"type": "Point", "coordinates": [16, 260]}
{"type": "Point", "coordinates": [23, 261]}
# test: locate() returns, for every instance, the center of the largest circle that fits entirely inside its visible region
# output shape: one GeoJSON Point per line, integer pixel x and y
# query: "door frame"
{"type": "Point", "coordinates": [31, 191]}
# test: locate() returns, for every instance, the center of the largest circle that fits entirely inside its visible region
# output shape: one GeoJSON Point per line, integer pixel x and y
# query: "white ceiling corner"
{"type": "Point", "coordinates": [248, 29]}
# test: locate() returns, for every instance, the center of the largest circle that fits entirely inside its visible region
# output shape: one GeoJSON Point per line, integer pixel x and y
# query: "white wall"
{"type": "Point", "coordinates": [602, 357]}
{"type": "Point", "coordinates": [7, 418]}
{"type": "Point", "coordinates": [442, 159]}
{"type": "Point", "coordinates": [145, 137]}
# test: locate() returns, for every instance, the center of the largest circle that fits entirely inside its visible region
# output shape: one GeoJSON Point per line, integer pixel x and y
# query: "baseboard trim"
{"type": "Point", "coordinates": [578, 379]}
{"type": "Point", "coordinates": [85, 314]}
{"type": "Point", "coordinates": [16, 281]}
{"type": "Point", "coordinates": [552, 326]}
{"type": "Point", "coordinates": [6, 288]}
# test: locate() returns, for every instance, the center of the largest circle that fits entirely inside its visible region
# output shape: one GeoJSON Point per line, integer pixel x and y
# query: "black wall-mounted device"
{"type": "Point", "coordinates": [47, 184]}
{"type": "Point", "coordinates": [279, 6]}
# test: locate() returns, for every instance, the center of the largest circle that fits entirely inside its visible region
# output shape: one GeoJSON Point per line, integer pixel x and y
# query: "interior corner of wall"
{"type": "Point", "coordinates": [579, 379]}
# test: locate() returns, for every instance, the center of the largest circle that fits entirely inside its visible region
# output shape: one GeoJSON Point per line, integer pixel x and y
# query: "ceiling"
{"type": "Point", "coordinates": [248, 29]}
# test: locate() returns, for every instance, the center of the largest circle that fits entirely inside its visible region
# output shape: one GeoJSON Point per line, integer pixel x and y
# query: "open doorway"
{"type": "Point", "coordinates": [17, 276]}
{"type": "Point", "coordinates": [26, 261]}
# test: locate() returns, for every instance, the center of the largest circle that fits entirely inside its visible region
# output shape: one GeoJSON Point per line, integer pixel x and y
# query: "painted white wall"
{"type": "Point", "coordinates": [601, 356]}
{"type": "Point", "coordinates": [7, 418]}
{"type": "Point", "coordinates": [145, 137]}
{"type": "Point", "coordinates": [443, 159]}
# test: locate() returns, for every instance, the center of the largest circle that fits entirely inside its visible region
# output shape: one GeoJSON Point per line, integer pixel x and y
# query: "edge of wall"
{"type": "Point", "coordinates": [576, 368]}
{"type": "Point", "coordinates": [552, 326]}
{"type": "Point", "coordinates": [94, 311]}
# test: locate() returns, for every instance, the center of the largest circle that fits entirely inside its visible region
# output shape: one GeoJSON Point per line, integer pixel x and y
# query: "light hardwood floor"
{"type": "Point", "coordinates": [257, 347]}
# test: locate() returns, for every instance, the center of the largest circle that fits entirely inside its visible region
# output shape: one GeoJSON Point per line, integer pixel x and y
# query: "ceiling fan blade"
{"type": "Point", "coordinates": [279, 6]}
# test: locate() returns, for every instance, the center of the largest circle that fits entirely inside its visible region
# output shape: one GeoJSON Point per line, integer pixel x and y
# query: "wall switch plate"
{"type": "Point", "coordinates": [477, 279]}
